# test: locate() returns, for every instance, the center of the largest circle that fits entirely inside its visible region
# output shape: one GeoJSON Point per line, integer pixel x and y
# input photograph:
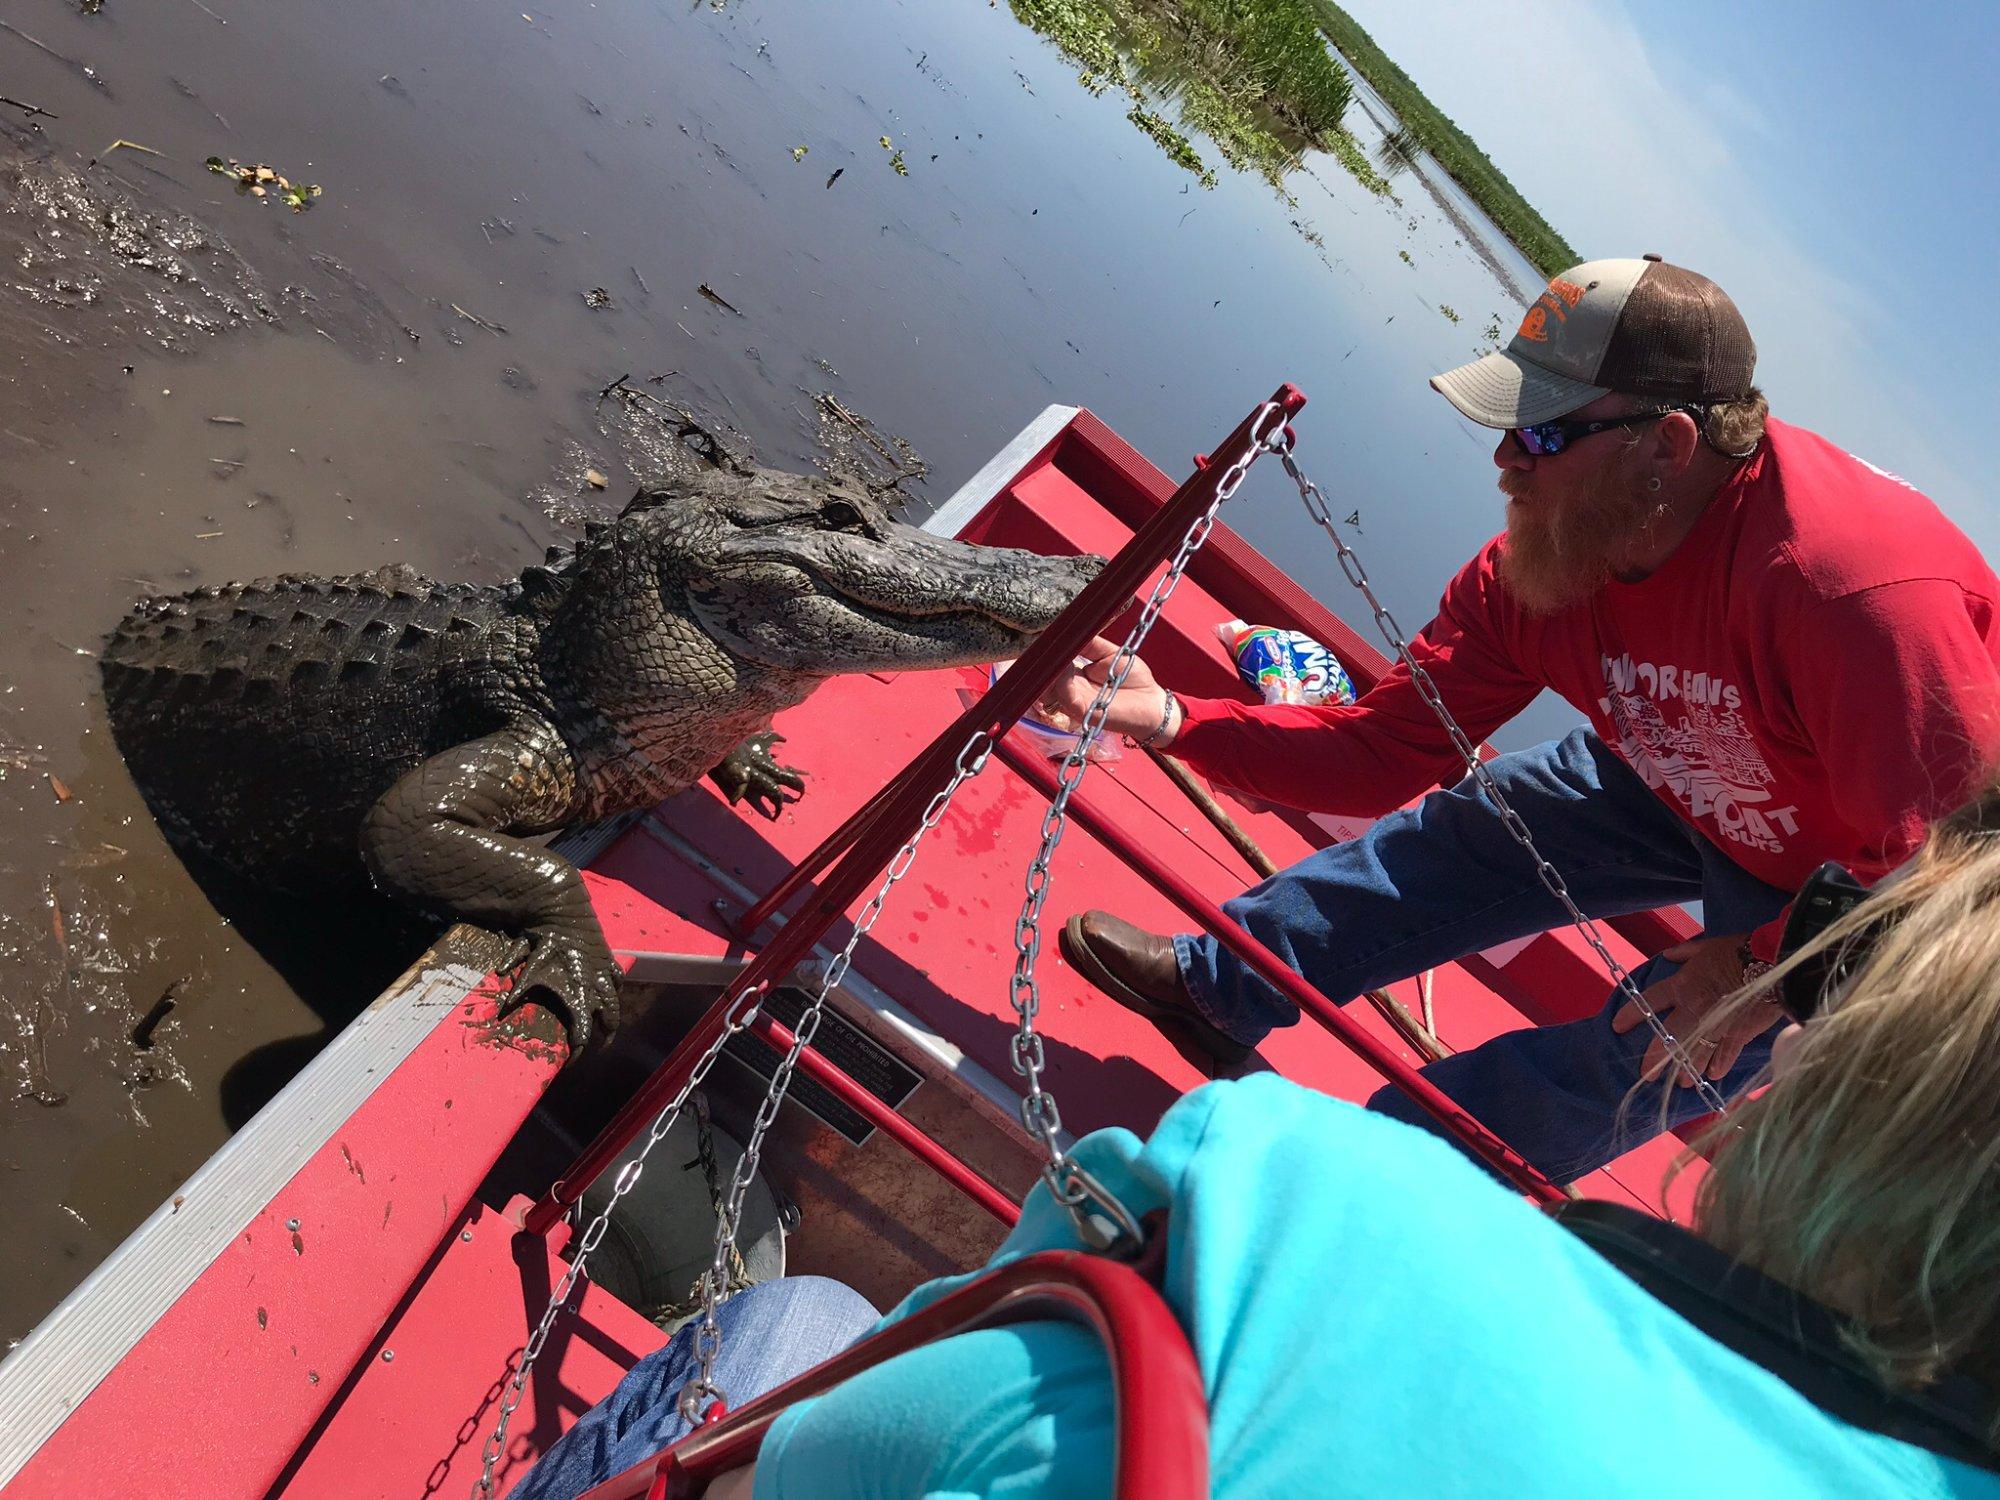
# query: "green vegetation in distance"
{"type": "Point", "coordinates": [1254, 76]}
{"type": "Point", "coordinates": [1451, 148]}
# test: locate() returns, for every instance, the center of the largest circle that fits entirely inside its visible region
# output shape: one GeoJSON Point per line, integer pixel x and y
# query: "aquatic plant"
{"type": "Point", "coordinates": [1253, 76]}
{"type": "Point", "coordinates": [1428, 129]}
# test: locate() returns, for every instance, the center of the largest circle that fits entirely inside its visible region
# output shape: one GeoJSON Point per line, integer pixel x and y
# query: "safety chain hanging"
{"type": "Point", "coordinates": [1111, 1226]}
{"type": "Point", "coordinates": [701, 1387]}
{"type": "Point", "coordinates": [1316, 506]}
{"type": "Point", "coordinates": [1100, 1217]}
{"type": "Point", "coordinates": [739, 1016]}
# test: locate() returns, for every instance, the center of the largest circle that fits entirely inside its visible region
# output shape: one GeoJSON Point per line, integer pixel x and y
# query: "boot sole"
{"type": "Point", "coordinates": [1075, 947]}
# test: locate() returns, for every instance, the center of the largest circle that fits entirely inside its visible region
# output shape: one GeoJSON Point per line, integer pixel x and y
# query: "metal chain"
{"type": "Point", "coordinates": [1070, 1183]}
{"type": "Point", "coordinates": [1111, 1227]}
{"type": "Point", "coordinates": [1551, 878]}
{"type": "Point", "coordinates": [708, 1335]}
{"type": "Point", "coordinates": [670, 1313]}
{"type": "Point", "coordinates": [736, 1019]}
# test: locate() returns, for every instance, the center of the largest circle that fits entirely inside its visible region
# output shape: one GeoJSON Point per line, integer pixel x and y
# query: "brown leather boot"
{"type": "Point", "coordinates": [1138, 969]}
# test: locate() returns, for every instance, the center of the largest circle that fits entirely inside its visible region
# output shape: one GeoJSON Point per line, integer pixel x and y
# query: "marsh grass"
{"type": "Point", "coordinates": [1252, 76]}
{"type": "Point", "coordinates": [1427, 129]}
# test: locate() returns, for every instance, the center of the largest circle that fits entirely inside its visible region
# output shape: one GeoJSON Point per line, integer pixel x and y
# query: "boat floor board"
{"type": "Point", "coordinates": [218, 1390]}
{"type": "Point", "coordinates": [426, 1393]}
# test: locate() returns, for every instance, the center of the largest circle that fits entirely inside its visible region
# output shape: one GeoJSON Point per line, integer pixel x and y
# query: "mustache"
{"type": "Point", "coordinates": [1512, 482]}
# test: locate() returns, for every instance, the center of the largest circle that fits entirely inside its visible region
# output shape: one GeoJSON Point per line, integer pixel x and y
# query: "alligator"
{"type": "Point", "coordinates": [317, 733]}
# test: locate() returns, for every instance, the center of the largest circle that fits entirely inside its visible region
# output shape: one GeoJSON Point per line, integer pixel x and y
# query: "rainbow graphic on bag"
{"type": "Point", "coordinates": [1285, 666]}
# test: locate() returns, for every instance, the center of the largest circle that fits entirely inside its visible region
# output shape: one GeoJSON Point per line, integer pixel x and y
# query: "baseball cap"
{"type": "Point", "coordinates": [1637, 327]}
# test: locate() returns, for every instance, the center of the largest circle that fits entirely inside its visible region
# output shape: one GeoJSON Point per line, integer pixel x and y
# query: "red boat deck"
{"type": "Point", "coordinates": [362, 1352]}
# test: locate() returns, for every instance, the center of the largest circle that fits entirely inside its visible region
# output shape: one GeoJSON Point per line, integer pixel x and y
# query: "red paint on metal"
{"type": "Point", "coordinates": [1210, 917]}
{"type": "Point", "coordinates": [913, 1140]}
{"type": "Point", "coordinates": [231, 1429]}
{"type": "Point", "coordinates": [1161, 1405]}
{"type": "Point", "coordinates": [213, 1401]}
{"type": "Point", "coordinates": [414, 1423]}
{"type": "Point", "coordinates": [880, 827]}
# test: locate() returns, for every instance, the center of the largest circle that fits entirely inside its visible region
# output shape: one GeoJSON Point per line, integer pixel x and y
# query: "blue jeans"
{"type": "Point", "coordinates": [1434, 882]}
{"type": "Point", "coordinates": [770, 1332]}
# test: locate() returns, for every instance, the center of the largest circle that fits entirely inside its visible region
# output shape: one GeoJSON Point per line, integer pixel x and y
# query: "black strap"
{"type": "Point", "coordinates": [1793, 1337]}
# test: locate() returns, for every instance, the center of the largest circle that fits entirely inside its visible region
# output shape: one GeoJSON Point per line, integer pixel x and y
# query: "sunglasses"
{"type": "Point", "coordinates": [1829, 894]}
{"type": "Point", "coordinates": [1545, 439]}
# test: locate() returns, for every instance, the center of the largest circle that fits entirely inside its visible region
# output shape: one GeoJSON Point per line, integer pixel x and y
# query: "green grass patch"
{"type": "Point", "coordinates": [1430, 129]}
{"type": "Point", "coordinates": [1253, 76]}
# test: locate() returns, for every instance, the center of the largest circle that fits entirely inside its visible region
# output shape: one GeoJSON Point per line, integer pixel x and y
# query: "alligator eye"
{"type": "Point", "coordinates": [839, 515]}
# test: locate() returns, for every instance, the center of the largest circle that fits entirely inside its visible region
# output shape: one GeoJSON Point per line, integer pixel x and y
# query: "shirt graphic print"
{"type": "Point", "coordinates": [1685, 731]}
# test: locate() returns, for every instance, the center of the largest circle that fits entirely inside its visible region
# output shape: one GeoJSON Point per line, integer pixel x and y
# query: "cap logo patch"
{"type": "Point", "coordinates": [1555, 302]}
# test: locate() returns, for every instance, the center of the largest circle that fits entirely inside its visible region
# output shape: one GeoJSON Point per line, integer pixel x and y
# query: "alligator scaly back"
{"type": "Point", "coordinates": [260, 717]}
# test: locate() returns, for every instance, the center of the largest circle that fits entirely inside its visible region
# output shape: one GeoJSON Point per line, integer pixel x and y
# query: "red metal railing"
{"type": "Point", "coordinates": [1210, 917]}
{"type": "Point", "coordinates": [867, 841]}
{"type": "Point", "coordinates": [1161, 1409]}
{"type": "Point", "coordinates": [860, 848]}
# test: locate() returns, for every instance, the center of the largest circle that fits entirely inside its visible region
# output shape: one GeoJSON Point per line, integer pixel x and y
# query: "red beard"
{"type": "Point", "coordinates": [1560, 552]}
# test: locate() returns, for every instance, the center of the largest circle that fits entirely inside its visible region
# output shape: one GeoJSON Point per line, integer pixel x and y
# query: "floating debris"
{"type": "Point", "coordinates": [142, 1034]}
{"type": "Point", "coordinates": [121, 144]}
{"type": "Point", "coordinates": [83, 70]}
{"type": "Point", "coordinates": [836, 176]}
{"type": "Point", "coordinates": [258, 181]}
{"type": "Point", "coordinates": [60, 788]}
{"type": "Point", "coordinates": [227, 421]}
{"type": "Point", "coordinates": [31, 110]}
{"type": "Point", "coordinates": [597, 296]}
{"type": "Point", "coordinates": [477, 321]}
{"type": "Point", "coordinates": [718, 299]}
{"type": "Point", "coordinates": [897, 165]}
{"type": "Point", "coordinates": [594, 479]}
{"type": "Point", "coordinates": [799, 153]}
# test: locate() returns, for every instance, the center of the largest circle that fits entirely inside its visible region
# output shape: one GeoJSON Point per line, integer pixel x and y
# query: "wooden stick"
{"type": "Point", "coordinates": [1392, 1010]}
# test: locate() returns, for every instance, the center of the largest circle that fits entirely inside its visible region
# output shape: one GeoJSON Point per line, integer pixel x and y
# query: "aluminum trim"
{"type": "Point", "coordinates": [970, 498]}
{"type": "Point", "coordinates": [57, 1366]}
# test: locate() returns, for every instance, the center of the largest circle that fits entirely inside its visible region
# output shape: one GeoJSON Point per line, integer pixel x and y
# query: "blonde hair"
{"type": "Point", "coordinates": [1868, 1177]}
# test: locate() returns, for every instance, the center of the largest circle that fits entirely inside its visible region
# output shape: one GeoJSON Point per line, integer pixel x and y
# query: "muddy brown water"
{"type": "Point", "coordinates": [482, 164]}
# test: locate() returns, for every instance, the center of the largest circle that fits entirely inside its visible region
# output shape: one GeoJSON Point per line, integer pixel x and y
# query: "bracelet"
{"type": "Point", "coordinates": [1754, 968]}
{"type": "Point", "coordinates": [1167, 714]}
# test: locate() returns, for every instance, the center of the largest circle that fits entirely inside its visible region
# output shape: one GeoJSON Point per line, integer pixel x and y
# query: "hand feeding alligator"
{"type": "Point", "coordinates": [301, 731]}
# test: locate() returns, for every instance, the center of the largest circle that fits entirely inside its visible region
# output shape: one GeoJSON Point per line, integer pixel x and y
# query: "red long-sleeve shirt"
{"type": "Point", "coordinates": [1813, 674]}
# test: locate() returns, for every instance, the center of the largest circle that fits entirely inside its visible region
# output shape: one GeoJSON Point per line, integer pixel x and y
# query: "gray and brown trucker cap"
{"type": "Point", "coordinates": [1637, 327]}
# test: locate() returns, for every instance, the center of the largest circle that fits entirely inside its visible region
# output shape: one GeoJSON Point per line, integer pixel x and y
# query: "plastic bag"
{"type": "Point", "coordinates": [1052, 742]}
{"type": "Point", "coordinates": [1285, 666]}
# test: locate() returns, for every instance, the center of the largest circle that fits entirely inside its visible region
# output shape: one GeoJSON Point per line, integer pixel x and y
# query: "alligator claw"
{"type": "Point", "coordinates": [750, 773]}
{"type": "Point", "coordinates": [575, 976]}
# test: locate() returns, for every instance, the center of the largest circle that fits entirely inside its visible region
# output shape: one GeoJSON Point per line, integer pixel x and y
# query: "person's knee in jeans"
{"type": "Point", "coordinates": [771, 1333]}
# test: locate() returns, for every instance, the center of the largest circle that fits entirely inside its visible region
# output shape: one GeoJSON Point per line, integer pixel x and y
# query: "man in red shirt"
{"type": "Point", "coordinates": [1785, 656]}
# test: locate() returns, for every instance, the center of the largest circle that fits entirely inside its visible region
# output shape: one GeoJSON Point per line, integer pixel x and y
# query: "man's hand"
{"type": "Point", "coordinates": [1136, 710]}
{"type": "Point", "coordinates": [1710, 968]}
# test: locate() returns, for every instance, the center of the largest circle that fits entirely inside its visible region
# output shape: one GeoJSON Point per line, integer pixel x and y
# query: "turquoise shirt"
{"type": "Point", "coordinates": [1372, 1316]}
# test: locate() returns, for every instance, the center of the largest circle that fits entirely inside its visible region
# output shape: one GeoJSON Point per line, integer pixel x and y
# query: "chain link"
{"type": "Point", "coordinates": [1100, 1216]}
{"type": "Point", "coordinates": [1111, 1225]}
{"type": "Point", "coordinates": [1550, 877]}
{"type": "Point", "coordinates": [701, 1388]}
{"type": "Point", "coordinates": [667, 1314]}
{"type": "Point", "coordinates": [736, 1019]}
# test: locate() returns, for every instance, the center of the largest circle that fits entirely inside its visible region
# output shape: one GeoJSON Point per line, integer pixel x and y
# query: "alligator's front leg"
{"type": "Point", "coordinates": [439, 838]}
{"type": "Point", "coordinates": [751, 773]}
